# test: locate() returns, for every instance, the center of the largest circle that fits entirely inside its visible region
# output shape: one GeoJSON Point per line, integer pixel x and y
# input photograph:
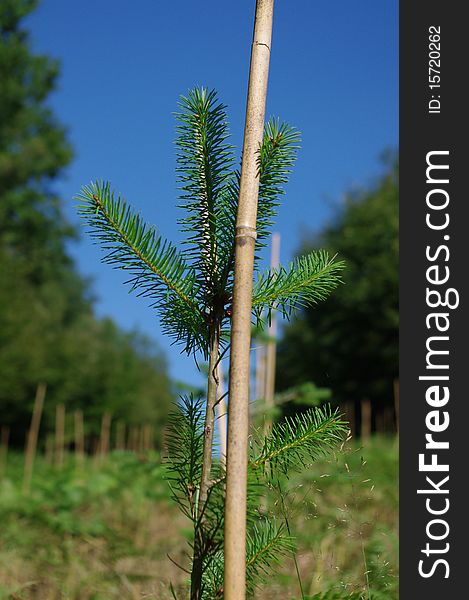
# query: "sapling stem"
{"type": "Point", "coordinates": [212, 387]}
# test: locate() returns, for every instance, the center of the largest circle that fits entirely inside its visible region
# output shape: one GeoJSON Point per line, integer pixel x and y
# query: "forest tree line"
{"type": "Point", "coordinates": [48, 329]}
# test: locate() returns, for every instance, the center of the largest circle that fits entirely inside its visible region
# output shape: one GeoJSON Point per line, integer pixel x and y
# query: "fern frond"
{"type": "Point", "coordinates": [297, 440]}
{"type": "Point", "coordinates": [204, 161]}
{"type": "Point", "coordinates": [308, 280]}
{"type": "Point", "coordinates": [184, 452]}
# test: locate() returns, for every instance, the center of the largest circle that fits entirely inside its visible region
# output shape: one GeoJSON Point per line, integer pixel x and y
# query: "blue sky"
{"type": "Point", "coordinates": [333, 75]}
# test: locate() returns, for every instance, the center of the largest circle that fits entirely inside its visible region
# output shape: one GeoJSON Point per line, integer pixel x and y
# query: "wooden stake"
{"type": "Point", "coordinates": [79, 439]}
{"type": "Point", "coordinates": [4, 439]}
{"type": "Point", "coordinates": [59, 435]}
{"type": "Point", "coordinates": [238, 408]}
{"type": "Point", "coordinates": [271, 344]}
{"type": "Point", "coordinates": [31, 444]}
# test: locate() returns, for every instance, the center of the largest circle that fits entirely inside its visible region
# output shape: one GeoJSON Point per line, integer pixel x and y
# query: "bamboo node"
{"type": "Point", "coordinates": [243, 231]}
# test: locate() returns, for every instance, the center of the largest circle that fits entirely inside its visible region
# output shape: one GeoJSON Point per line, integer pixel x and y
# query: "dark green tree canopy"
{"type": "Point", "coordinates": [33, 149]}
{"type": "Point", "coordinates": [351, 345]}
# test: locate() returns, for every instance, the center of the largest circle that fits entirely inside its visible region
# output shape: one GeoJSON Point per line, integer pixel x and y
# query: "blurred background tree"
{"type": "Point", "coordinates": [351, 344]}
{"type": "Point", "coordinates": [48, 331]}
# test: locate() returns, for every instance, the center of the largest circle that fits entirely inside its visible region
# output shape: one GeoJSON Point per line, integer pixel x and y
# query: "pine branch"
{"type": "Point", "coordinates": [266, 545]}
{"type": "Point", "coordinates": [204, 168]}
{"type": "Point", "coordinates": [297, 440]}
{"type": "Point", "coordinates": [308, 280]}
{"type": "Point", "coordinates": [158, 270]}
{"type": "Point", "coordinates": [185, 449]}
{"type": "Point", "coordinates": [276, 158]}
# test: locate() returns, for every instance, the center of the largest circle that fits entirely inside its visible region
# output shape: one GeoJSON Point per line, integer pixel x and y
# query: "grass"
{"type": "Point", "coordinates": [104, 532]}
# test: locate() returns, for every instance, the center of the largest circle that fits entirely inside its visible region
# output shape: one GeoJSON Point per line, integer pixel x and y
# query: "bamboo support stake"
{"type": "Point", "coordinates": [79, 439]}
{"type": "Point", "coordinates": [31, 445]}
{"type": "Point", "coordinates": [271, 344]}
{"type": "Point", "coordinates": [4, 439]}
{"type": "Point", "coordinates": [59, 435]}
{"type": "Point", "coordinates": [238, 408]}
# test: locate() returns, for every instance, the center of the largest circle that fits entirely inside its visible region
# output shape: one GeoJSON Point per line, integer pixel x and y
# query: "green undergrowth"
{"type": "Point", "coordinates": [109, 530]}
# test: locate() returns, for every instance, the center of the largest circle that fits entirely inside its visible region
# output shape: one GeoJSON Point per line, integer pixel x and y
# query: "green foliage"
{"type": "Point", "coordinates": [185, 443]}
{"type": "Point", "coordinates": [106, 532]}
{"type": "Point", "coordinates": [48, 332]}
{"type": "Point", "coordinates": [266, 545]}
{"type": "Point", "coordinates": [354, 338]}
{"type": "Point", "coordinates": [306, 282]}
{"type": "Point", "coordinates": [156, 269]}
{"type": "Point", "coordinates": [192, 292]}
{"type": "Point", "coordinates": [297, 440]}
{"type": "Point", "coordinates": [291, 446]}
{"type": "Point", "coordinates": [33, 150]}
{"type": "Point", "coordinates": [306, 394]}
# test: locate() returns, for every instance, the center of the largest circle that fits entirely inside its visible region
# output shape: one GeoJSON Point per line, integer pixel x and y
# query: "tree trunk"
{"type": "Point", "coordinates": [238, 408]}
